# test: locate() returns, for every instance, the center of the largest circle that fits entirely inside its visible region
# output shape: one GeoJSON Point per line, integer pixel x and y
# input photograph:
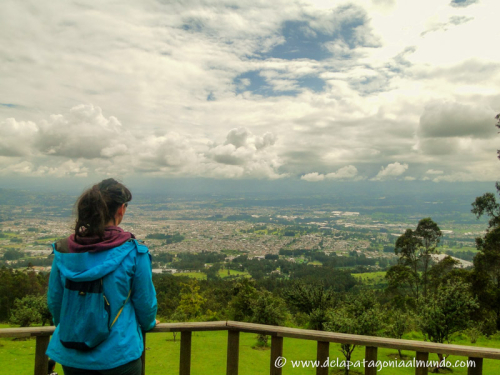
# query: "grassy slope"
{"type": "Point", "coordinates": [209, 355]}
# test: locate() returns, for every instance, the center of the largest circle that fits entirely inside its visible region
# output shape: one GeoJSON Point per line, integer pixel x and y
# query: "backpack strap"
{"type": "Point", "coordinates": [141, 248]}
{"type": "Point", "coordinates": [121, 309]}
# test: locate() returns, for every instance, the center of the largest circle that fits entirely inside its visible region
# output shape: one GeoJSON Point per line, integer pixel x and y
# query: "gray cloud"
{"type": "Point", "coordinates": [471, 71]}
{"type": "Point", "coordinates": [166, 77]}
{"type": "Point", "coordinates": [450, 119]}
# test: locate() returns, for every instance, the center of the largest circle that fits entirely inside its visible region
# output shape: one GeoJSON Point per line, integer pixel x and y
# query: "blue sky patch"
{"type": "Point", "coordinates": [193, 25]}
{"type": "Point", "coordinates": [313, 83]}
{"type": "Point", "coordinates": [211, 97]}
{"type": "Point", "coordinates": [9, 105]}
{"type": "Point", "coordinates": [462, 3]}
{"type": "Point", "coordinates": [302, 41]}
{"type": "Point", "coordinates": [252, 81]}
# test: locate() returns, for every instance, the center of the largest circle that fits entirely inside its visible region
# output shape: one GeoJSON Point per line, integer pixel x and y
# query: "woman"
{"type": "Point", "coordinates": [101, 293]}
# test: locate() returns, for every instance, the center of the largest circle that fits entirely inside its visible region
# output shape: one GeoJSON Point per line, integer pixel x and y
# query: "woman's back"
{"type": "Point", "coordinates": [123, 269]}
{"type": "Point", "coordinates": [104, 280]}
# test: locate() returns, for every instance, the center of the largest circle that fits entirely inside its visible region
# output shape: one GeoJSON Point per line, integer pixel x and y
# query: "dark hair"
{"type": "Point", "coordinates": [52, 364]}
{"type": "Point", "coordinates": [98, 205]}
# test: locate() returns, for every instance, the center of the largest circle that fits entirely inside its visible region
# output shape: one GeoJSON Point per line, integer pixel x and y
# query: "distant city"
{"type": "Point", "coordinates": [255, 226]}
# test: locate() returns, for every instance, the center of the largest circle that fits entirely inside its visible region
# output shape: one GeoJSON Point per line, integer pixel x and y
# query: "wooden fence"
{"type": "Point", "coordinates": [323, 339]}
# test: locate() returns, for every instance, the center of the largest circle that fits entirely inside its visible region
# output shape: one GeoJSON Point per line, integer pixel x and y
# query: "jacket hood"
{"type": "Point", "coordinates": [114, 236]}
{"type": "Point", "coordinates": [91, 266]}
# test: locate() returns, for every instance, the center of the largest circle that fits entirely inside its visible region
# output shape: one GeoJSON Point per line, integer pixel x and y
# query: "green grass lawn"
{"type": "Point", "coordinates": [222, 273]}
{"type": "Point", "coordinates": [444, 249]}
{"type": "Point", "coordinates": [371, 278]}
{"type": "Point", "coordinates": [194, 275]}
{"type": "Point", "coordinates": [209, 355]}
{"type": "Point", "coordinates": [315, 263]}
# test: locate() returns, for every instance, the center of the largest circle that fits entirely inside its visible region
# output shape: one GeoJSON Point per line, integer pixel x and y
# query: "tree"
{"type": "Point", "coordinates": [168, 289]}
{"type": "Point", "coordinates": [414, 249]}
{"type": "Point", "coordinates": [268, 309]}
{"type": "Point", "coordinates": [191, 300]}
{"type": "Point", "coordinates": [404, 278]}
{"type": "Point", "coordinates": [442, 271]}
{"type": "Point", "coordinates": [212, 272]}
{"type": "Point", "coordinates": [403, 285]}
{"type": "Point", "coordinates": [486, 274]}
{"type": "Point", "coordinates": [359, 314]}
{"type": "Point", "coordinates": [44, 311]}
{"type": "Point", "coordinates": [240, 306]}
{"type": "Point", "coordinates": [448, 311]}
{"type": "Point", "coordinates": [429, 234]}
{"type": "Point", "coordinates": [487, 205]}
{"type": "Point", "coordinates": [12, 254]}
{"type": "Point", "coordinates": [400, 323]}
{"type": "Point", "coordinates": [16, 285]}
{"type": "Point", "coordinates": [28, 310]}
{"type": "Point", "coordinates": [310, 299]}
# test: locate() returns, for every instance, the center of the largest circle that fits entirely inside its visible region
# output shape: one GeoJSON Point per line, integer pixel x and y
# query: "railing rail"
{"type": "Point", "coordinates": [422, 349]}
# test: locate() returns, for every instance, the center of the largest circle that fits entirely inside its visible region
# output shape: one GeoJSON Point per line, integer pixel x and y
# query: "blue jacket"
{"type": "Point", "coordinates": [124, 268]}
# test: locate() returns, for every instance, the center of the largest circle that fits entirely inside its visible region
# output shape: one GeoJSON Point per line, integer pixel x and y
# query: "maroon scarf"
{"type": "Point", "coordinates": [113, 237]}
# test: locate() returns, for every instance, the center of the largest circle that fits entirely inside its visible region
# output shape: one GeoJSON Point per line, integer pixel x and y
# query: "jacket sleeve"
{"type": "Point", "coordinates": [55, 293]}
{"type": "Point", "coordinates": [143, 294]}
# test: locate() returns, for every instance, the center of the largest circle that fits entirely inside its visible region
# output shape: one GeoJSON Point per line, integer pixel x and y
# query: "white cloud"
{"type": "Point", "coordinates": [22, 168]}
{"type": "Point", "coordinates": [101, 144]}
{"type": "Point", "coordinates": [392, 170]}
{"type": "Point", "coordinates": [348, 172]}
{"type": "Point", "coordinates": [344, 173]}
{"type": "Point", "coordinates": [401, 85]}
{"type": "Point", "coordinates": [16, 138]}
{"type": "Point", "coordinates": [244, 154]}
{"type": "Point", "coordinates": [313, 177]}
{"type": "Point", "coordinates": [82, 133]}
{"type": "Point", "coordinates": [434, 171]}
{"type": "Point", "coordinates": [61, 169]}
{"type": "Point", "coordinates": [67, 168]}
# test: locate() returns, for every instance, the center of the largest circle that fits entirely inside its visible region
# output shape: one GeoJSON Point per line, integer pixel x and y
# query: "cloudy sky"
{"type": "Point", "coordinates": [235, 89]}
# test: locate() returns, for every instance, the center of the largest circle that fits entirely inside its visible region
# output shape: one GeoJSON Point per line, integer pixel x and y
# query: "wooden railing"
{"type": "Point", "coordinates": [323, 339]}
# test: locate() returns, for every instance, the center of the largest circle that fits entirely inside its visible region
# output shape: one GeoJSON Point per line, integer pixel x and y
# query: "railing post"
{"type": "Point", "coordinates": [185, 361]}
{"type": "Point", "coordinates": [422, 357]}
{"type": "Point", "coordinates": [41, 360]}
{"type": "Point", "coordinates": [477, 369]}
{"type": "Point", "coordinates": [233, 352]}
{"type": "Point", "coordinates": [371, 360]}
{"type": "Point", "coordinates": [276, 352]}
{"type": "Point", "coordinates": [143, 357]}
{"type": "Point", "coordinates": [322, 355]}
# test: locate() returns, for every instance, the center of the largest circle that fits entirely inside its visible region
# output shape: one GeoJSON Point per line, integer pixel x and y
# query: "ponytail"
{"type": "Point", "coordinates": [97, 206]}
